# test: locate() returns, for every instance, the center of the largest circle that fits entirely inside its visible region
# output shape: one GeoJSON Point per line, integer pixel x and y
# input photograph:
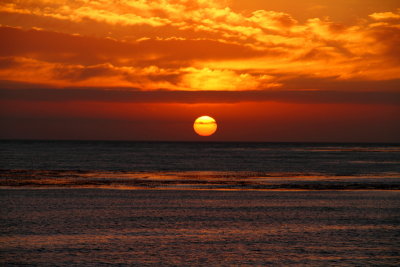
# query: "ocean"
{"type": "Point", "coordinates": [116, 203]}
{"type": "Point", "coordinates": [199, 165]}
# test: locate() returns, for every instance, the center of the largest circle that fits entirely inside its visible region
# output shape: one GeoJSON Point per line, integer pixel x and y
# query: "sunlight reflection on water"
{"type": "Point", "coordinates": [196, 180]}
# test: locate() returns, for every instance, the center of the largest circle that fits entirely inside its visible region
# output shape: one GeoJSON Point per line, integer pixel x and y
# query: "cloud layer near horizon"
{"type": "Point", "coordinates": [192, 45]}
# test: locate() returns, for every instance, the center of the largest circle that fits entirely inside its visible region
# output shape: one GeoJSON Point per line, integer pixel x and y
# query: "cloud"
{"type": "Point", "coordinates": [66, 48]}
{"type": "Point", "coordinates": [28, 70]}
{"type": "Point", "coordinates": [135, 95]}
{"type": "Point", "coordinates": [272, 20]}
{"type": "Point", "coordinates": [188, 45]}
{"type": "Point", "coordinates": [80, 10]}
{"type": "Point", "coordinates": [208, 79]}
{"type": "Point", "coordinates": [386, 16]}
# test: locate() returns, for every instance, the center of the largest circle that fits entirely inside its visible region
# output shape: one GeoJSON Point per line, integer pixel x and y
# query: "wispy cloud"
{"type": "Point", "coordinates": [188, 45]}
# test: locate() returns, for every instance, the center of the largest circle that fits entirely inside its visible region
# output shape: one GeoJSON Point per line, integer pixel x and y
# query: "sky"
{"type": "Point", "coordinates": [275, 71]}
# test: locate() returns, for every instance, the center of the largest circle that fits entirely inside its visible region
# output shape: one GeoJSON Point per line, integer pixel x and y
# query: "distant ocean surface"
{"type": "Point", "coordinates": [199, 165]}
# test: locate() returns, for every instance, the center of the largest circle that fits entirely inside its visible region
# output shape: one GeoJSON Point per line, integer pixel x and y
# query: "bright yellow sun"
{"type": "Point", "coordinates": [205, 126]}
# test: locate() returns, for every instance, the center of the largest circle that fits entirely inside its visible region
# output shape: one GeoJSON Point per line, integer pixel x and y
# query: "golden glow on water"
{"type": "Point", "coordinates": [197, 180]}
{"type": "Point", "coordinates": [205, 126]}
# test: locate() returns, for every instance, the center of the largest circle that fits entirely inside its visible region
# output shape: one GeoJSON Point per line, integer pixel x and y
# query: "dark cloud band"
{"type": "Point", "coordinates": [133, 95]}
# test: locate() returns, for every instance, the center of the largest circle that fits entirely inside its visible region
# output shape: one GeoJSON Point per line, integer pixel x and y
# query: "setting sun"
{"type": "Point", "coordinates": [205, 126]}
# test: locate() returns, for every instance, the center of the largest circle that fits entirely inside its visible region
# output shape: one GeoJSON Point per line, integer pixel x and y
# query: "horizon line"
{"type": "Point", "coordinates": [194, 141]}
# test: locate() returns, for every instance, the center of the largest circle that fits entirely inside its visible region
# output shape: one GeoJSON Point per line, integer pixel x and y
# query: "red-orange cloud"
{"type": "Point", "coordinates": [180, 44]}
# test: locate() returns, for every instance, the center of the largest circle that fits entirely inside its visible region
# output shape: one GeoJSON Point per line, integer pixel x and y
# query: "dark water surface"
{"type": "Point", "coordinates": [77, 203]}
{"type": "Point", "coordinates": [199, 165]}
{"type": "Point", "coordinates": [95, 227]}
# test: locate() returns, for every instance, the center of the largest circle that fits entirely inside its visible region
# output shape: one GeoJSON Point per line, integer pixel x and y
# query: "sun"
{"type": "Point", "coordinates": [205, 126]}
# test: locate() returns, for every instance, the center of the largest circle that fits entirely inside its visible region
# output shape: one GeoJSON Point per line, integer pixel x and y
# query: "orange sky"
{"type": "Point", "coordinates": [313, 70]}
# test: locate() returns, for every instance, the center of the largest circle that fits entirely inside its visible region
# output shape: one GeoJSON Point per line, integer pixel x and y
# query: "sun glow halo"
{"type": "Point", "coordinates": [205, 126]}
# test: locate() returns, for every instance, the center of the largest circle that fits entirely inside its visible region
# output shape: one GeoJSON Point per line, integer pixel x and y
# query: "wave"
{"type": "Point", "coordinates": [211, 180]}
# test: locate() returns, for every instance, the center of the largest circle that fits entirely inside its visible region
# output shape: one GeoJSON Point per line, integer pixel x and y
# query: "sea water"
{"type": "Point", "coordinates": [199, 165]}
{"type": "Point", "coordinates": [95, 203]}
{"type": "Point", "coordinates": [107, 227]}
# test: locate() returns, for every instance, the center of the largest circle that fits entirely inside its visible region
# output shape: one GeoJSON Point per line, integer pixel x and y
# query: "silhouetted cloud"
{"type": "Point", "coordinates": [165, 96]}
